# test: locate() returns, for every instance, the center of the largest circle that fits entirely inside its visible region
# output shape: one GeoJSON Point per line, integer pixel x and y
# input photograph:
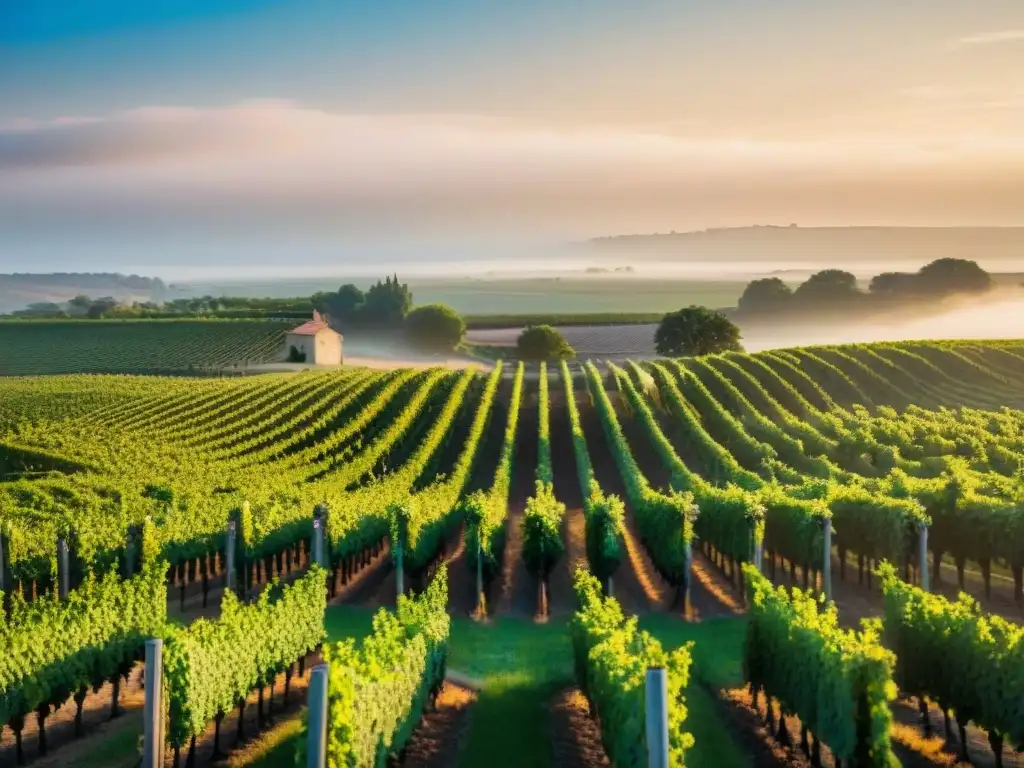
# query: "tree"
{"type": "Point", "coordinates": [342, 306]}
{"type": "Point", "coordinates": [101, 307]}
{"type": "Point", "coordinates": [387, 303]}
{"type": "Point", "coordinates": [828, 286]}
{"type": "Point", "coordinates": [944, 276]}
{"type": "Point", "coordinates": [435, 328]}
{"type": "Point", "coordinates": [542, 342]}
{"type": "Point", "coordinates": [80, 304]}
{"type": "Point", "coordinates": [892, 283]}
{"type": "Point", "coordinates": [768, 294]}
{"type": "Point", "coordinates": [696, 331]}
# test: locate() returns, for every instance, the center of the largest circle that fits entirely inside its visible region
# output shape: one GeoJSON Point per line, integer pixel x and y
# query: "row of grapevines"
{"type": "Point", "coordinates": [53, 649]}
{"type": "Point", "coordinates": [257, 443]}
{"type": "Point", "coordinates": [542, 519]}
{"type": "Point", "coordinates": [838, 682]}
{"type": "Point", "coordinates": [433, 509]}
{"type": "Point", "coordinates": [665, 522]}
{"type": "Point", "coordinates": [281, 409]}
{"type": "Point", "coordinates": [724, 429]}
{"type": "Point", "coordinates": [730, 518]}
{"type": "Point", "coordinates": [603, 514]}
{"type": "Point", "coordinates": [486, 511]}
{"type": "Point", "coordinates": [719, 462]}
{"type": "Point", "coordinates": [957, 656]}
{"type": "Point", "coordinates": [788, 449]}
{"type": "Point", "coordinates": [773, 397]}
{"type": "Point", "coordinates": [359, 517]}
{"type": "Point", "coordinates": [378, 689]}
{"type": "Point", "coordinates": [211, 665]}
{"type": "Point", "coordinates": [34, 348]}
{"type": "Point", "coordinates": [612, 658]}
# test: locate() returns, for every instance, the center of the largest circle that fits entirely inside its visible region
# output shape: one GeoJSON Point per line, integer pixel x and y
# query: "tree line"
{"type": "Point", "coordinates": [835, 290]}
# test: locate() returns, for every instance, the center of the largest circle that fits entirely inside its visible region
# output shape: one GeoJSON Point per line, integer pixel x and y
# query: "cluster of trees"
{"type": "Point", "coordinates": [383, 305]}
{"type": "Point", "coordinates": [387, 306]}
{"type": "Point", "coordinates": [84, 306]}
{"type": "Point", "coordinates": [836, 289]}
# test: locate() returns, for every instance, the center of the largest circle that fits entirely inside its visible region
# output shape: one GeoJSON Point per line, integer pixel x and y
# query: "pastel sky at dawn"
{"type": "Point", "coordinates": [146, 134]}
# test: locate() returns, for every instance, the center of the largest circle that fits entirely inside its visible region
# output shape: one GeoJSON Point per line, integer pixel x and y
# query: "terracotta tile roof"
{"type": "Point", "coordinates": [312, 328]}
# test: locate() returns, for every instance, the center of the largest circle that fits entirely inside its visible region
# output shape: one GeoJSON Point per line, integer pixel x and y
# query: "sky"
{"type": "Point", "coordinates": [190, 136]}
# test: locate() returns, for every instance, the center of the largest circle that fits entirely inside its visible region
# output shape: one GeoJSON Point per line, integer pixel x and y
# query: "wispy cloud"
{"type": "Point", "coordinates": [281, 165]}
{"type": "Point", "coordinates": [991, 38]}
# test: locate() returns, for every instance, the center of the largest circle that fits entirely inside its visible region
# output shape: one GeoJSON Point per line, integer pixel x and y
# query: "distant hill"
{"type": "Point", "coordinates": [822, 246]}
{"type": "Point", "coordinates": [20, 289]}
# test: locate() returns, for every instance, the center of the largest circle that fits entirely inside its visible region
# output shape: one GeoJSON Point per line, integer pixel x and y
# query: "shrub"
{"type": "Point", "coordinates": [696, 331]}
{"type": "Point", "coordinates": [542, 342]}
{"type": "Point", "coordinates": [435, 328]}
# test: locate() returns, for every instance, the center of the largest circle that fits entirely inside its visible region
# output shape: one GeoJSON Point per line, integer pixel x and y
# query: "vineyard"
{"type": "Point", "coordinates": [823, 547]}
{"type": "Point", "coordinates": [143, 346]}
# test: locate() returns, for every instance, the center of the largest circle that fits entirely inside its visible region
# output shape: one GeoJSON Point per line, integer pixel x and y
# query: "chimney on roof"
{"type": "Point", "coordinates": [316, 317]}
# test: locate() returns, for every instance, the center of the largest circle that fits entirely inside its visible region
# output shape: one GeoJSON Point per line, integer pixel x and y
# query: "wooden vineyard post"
{"type": "Point", "coordinates": [153, 736]}
{"type": "Point", "coordinates": [826, 565]}
{"type": "Point", "coordinates": [63, 568]}
{"type": "Point", "coordinates": [229, 555]}
{"type": "Point", "coordinates": [316, 747]}
{"type": "Point", "coordinates": [922, 541]}
{"type": "Point", "coordinates": [656, 699]}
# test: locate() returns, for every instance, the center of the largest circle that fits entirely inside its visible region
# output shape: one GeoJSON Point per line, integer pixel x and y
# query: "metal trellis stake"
{"type": "Point", "coordinates": [316, 747]}
{"type": "Point", "coordinates": [153, 737]}
{"type": "Point", "coordinates": [656, 695]}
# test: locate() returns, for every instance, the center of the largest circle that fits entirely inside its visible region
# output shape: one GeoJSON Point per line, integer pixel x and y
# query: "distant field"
{"type": "Point", "coordinates": [578, 295]}
{"type": "Point", "coordinates": [40, 348]}
{"type": "Point", "coordinates": [588, 341]}
{"type": "Point", "coordinates": [572, 294]}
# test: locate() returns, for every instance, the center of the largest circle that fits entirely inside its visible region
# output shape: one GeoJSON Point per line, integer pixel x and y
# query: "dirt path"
{"type": "Point", "coordinates": [374, 585]}
{"type": "Point", "coordinates": [461, 583]}
{"type": "Point", "coordinates": [516, 589]}
{"type": "Point", "coordinates": [282, 710]}
{"type": "Point", "coordinates": [62, 745]}
{"type": "Point", "coordinates": [636, 585]}
{"type": "Point", "coordinates": [576, 735]}
{"type": "Point", "coordinates": [440, 735]}
{"type": "Point", "coordinates": [711, 594]}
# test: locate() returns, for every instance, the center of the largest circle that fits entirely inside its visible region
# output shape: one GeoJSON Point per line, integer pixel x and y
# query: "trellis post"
{"type": "Point", "coordinates": [656, 716]}
{"type": "Point", "coordinates": [316, 746]}
{"type": "Point", "coordinates": [922, 541]}
{"type": "Point", "coordinates": [319, 519]}
{"type": "Point", "coordinates": [153, 736]}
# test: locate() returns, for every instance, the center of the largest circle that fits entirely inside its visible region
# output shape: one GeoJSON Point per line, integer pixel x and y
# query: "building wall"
{"type": "Point", "coordinates": [328, 349]}
{"type": "Point", "coordinates": [323, 349]}
{"type": "Point", "coordinates": [301, 343]}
